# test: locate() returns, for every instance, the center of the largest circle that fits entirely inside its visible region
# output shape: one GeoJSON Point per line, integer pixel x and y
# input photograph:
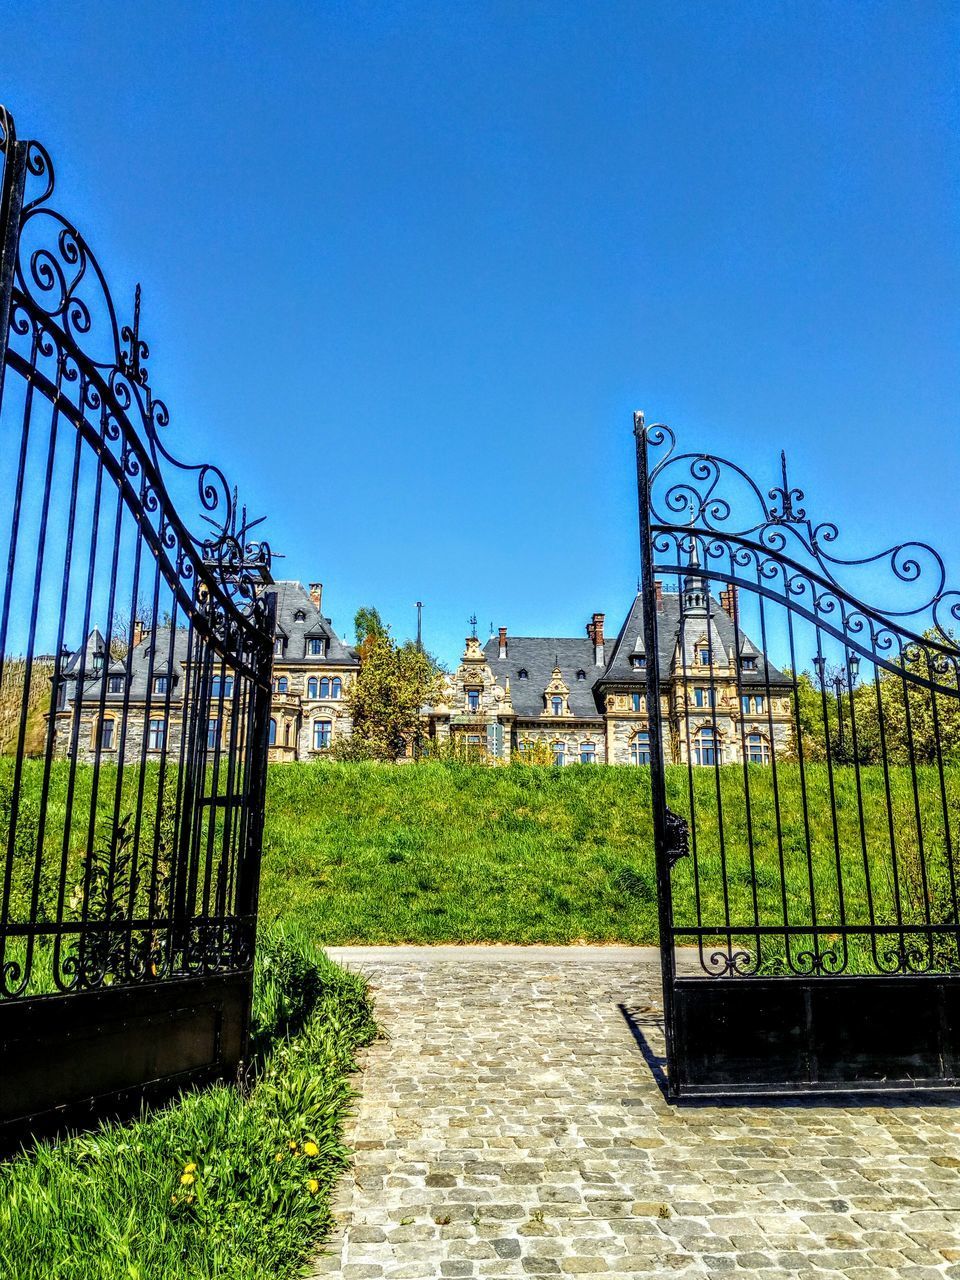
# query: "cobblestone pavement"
{"type": "Point", "coordinates": [511, 1125]}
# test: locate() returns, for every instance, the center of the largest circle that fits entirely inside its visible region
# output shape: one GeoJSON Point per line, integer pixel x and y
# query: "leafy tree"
{"type": "Point", "coordinates": [367, 622]}
{"type": "Point", "coordinates": [385, 700]}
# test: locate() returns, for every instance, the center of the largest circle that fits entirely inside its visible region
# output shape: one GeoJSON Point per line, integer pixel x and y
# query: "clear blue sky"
{"type": "Point", "coordinates": [408, 268]}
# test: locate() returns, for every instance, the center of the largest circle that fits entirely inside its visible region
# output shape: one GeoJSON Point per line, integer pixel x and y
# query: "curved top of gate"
{"type": "Point", "coordinates": [61, 300]}
{"type": "Point", "coordinates": [709, 507]}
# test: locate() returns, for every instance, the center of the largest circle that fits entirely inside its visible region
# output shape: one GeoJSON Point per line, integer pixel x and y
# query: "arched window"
{"type": "Point", "coordinates": [312, 687]}
{"type": "Point", "coordinates": [221, 685]}
{"type": "Point", "coordinates": [106, 734]}
{"type": "Point", "coordinates": [640, 747]}
{"type": "Point", "coordinates": [758, 751]}
{"type": "Point", "coordinates": [559, 753]}
{"type": "Point", "coordinates": [282, 685]}
{"type": "Point", "coordinates": [588, 753]}
{"type": "Point", "coordinates": [706, 748]}
{"type": "Point", "coordinates": [321, 734]}
{"type": "Point", "coordinates": [273, 733]}
{"type": "Point", "coordinates": [324, 688]}
{"type": "Point", "coordinates": [581, 675]}
{"type": "Point", "coordinates": [556, 702]}
{"type": "Point", "coordinates": [336, 687]}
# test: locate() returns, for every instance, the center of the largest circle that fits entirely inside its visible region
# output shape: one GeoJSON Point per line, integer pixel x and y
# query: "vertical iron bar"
{"type": "Point", "coordinates": [657, 769]}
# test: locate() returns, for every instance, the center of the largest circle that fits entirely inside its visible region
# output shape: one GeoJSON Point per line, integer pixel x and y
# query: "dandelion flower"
{"type": "Point", "coordinates": [313, 1186]}
{"type": "Point", "coordinates": [189, 1168]}
{"type": "Point", "coordinates": [278, 1157]}
{"type": "Point", "coordinates": [187, 1179]}
{"type": "Point", "coordinates": [311, 1149]}
{"type": "Point", "coordinates": [292, 1146]}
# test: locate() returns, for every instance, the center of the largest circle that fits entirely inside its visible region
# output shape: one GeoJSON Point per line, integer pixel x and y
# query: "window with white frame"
{"type": "Point", "coordinates": [706, 748]}
{"type": "Point", "coordinates": [753, 702]}
{"type": "Point", "coordinates": [758, 752]}
{"type": "Point", "coordinates": [156, 733]}
{"type": "Point", "coordinates": [312, 687]}
{"type": "Point", "coordinates": [213, 733]}
{"type": "Point", "coordinates": [473, 699]}
{"type": "Point", "coordinates": [273, 733]}
{"type": "Point", "coordinates": [703, 696]}
{"type": "Point", "coordinates": [282, 684]}
{"type": "Point", "coordinates": [325, 687]}
{"type": "Point", "coordinates": [315, 646]}
{"type": "Point", "coordinates": [106, 734]}
{"type": "Point", "coordinates": [559, 750]}
{"type": "Point", "coordinates": [336, 687]}
{"type": "Point", "coordinates": [221, 685]}
{"type": "Point", "coordinates": [703, 655]}
{"type": "Point", "coordinates": [639, 701]}
{"type": "Point", "coordinates": [115, 684]}
{"type": "Point", "coordinates": [588, 753]}
{"type": "Point", "coordinates": [640, 747]}
{"type": "Point", "coordinates": [556, 704]}
{"type": "Point", "coordinates": [160, 684]}
{"type": "Point", "coordinates": [321, 734]}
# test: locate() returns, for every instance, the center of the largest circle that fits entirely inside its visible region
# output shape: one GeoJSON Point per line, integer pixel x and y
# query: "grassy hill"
{"type": "Point", "coordinates": [459, 853]}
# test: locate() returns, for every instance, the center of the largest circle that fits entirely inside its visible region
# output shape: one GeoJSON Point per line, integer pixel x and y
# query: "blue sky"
{"type": "Point", "coordinates": [408, 268]}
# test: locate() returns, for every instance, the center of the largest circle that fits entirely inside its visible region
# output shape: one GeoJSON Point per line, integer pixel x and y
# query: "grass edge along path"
{"type": "Point", "coordinates": [221, 1183]}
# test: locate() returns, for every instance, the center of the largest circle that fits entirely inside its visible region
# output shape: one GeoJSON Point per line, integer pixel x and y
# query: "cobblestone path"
{"type": "Point", "coordinates": [511, 1125]}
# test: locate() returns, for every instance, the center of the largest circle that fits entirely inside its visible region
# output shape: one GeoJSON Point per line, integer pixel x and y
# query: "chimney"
{"type": "Point", "coordinates": [503, 643]}
{"type": "Point", "coordinates": [597, 637]}
{"type": "Point", "coordinates": [139, 631]}
{"type": "Point", "coordinates": [658, 588]}
{"type": "Point", "coordinates": [316, 594]}
{"type": "Point", "coordinates": [728, 601]}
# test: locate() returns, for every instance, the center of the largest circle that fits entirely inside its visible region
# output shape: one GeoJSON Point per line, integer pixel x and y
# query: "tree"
{"type": "Point", "coordinates": [367, 622]}
{"type": "Point", "coordinates": [385, 700]}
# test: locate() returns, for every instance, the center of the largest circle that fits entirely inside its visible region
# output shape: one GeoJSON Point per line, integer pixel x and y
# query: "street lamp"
{"type": "Point", "coordinates": [838, 682]}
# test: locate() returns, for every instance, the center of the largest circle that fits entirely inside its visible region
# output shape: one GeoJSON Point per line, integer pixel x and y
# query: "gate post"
{"type": "Point", "coordinates": [658, 791]}
{"type": "Point", "coordinates": [11, 209]}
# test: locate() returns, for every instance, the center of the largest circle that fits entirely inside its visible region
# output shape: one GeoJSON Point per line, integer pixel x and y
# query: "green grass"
{"type": "Point", "coordinates": [443, 852]}
{"type": "Point", "coordinates": [112, 1205]}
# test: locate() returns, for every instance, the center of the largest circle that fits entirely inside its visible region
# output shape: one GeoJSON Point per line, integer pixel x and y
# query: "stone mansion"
{"type": "Point", "coordinates": [580, 699]}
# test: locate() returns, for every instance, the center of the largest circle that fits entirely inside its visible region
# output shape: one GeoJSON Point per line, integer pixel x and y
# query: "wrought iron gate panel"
{"type": "Point", "coordinates": [805, 755]}
{"type": "Point", "coordinates": [135, 663]}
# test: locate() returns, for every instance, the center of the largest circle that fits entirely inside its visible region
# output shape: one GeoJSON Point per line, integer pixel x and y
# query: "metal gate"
{"type": "Point", "coordinates": [805, 752]}
{"type": "Point", "coordinates": [135, 665]}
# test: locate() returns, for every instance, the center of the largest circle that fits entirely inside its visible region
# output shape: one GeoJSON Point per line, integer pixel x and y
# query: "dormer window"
{"type": "Point", "coordinates": [581, 675]}
{"type": "Point", "coordinates": [299, 616]}
{"type": "Point", "coordinates": [278, 646]}
{"type": "Point", "coordinates": [315, 647]}
{"type": "Point", "coordinates": [473, 699]}
{"type": "Point", "coordinates": [556, 705]}
{"type": "Point", "coordinates": [522, 673]}
{"type": "Point", "coordinates": [703, 655]}
{"type": "Point", "coordinates": [638, 661]}
{"type": "Point", "coordinates": [749, 663]}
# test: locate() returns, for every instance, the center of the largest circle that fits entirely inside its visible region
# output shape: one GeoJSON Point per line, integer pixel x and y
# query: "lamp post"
{"type": "Point", "coordinates": [838, 681]}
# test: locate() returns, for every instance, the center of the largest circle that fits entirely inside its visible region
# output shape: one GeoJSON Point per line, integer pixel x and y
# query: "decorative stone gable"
{"type": "Point", "coordinates": [556, 689]}
{"type": "Point", "coordinates": [474, 682]}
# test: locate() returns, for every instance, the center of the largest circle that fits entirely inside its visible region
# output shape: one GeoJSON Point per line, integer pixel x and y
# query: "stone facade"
{"type": "Point", "coordinates": [567, 699]}
{"type": "Point", "coordinates": [139, 696]}
{"type": "Point", "coordinates": [585, 700]}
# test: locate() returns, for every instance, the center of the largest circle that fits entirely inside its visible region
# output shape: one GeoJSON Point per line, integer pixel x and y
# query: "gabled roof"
{"type": "Point", "coordinates": [631, 640]}
{"type": "Point", "coordinates": [538, 655]}
{"type": "Point", "coordinates": [293, 598]}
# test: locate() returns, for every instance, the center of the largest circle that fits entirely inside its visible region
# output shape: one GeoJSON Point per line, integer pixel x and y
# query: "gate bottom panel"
{"type": "Point", "coordinates": [70, 1060]}
{"type": "Point", "coordinates": [819, 1035]}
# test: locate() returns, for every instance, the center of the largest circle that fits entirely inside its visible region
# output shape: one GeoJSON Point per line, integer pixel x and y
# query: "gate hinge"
{"type": "Point", "coordinates": [678, 838]}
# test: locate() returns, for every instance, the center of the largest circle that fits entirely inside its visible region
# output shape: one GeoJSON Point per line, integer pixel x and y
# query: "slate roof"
{"type": "Point", "coordinates": [538, 655]}
{"type": "Point", "coordinates": [294, 598]}
{"type": "Point", "coordinates": [631, 640]}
